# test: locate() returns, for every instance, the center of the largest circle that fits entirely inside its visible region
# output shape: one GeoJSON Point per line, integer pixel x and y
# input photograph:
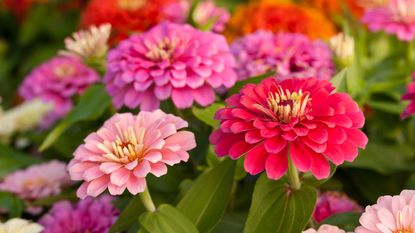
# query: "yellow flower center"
{"type": "Point", "coordinates": [127, 146]}
{"type": "Point", "coordinates": [64, 71]}
{"type": "Point", "coordinates": [162, 50]}
{"type": "Point", "coordinates": [400, 222]}
{"type": "Point", "coordinates": [283, 106]}
{"type": "Point", "coordinates": [131, 5]}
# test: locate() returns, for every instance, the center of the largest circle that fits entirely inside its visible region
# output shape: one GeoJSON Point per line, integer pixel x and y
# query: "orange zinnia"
{"type": "Point", "coordinates": [276, 17]}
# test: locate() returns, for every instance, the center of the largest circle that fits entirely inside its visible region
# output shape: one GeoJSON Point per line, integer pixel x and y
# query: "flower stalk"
{"type": "Point", "coordinates": [147, 201]}
{"type": "Point", "coordinates": [293, 176]}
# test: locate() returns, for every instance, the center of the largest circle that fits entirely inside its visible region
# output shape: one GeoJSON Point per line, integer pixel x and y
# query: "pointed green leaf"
{"type": "Point", "coordinates": [129, 216]}
{"type": "Point", "coordinates": [205, 203]}
{"type": "Point", "coordinates": [339, 80]}
{"type": "Point", "coordinates": [91, 105]}
{"type": "Point", "coordinates": [166, 219]}
{"type": "Point", "coordinates": [276, 208]}
{"type": "Point", "coordinates": [207, 115]}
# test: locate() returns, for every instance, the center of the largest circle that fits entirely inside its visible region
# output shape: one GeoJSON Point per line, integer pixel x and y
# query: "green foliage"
{"type": "Point", "coordinates": [277, 208]}
{"type": "Point", "coordinates": [206, 115]}
{"type": "Point", "coordinates": [129, 216]}
{"type": "Point", "coordinates": [346, 221]}
{"type": "Point", "coordinates": [12, 204]}
{"type": "Point", "coordinates": [11, 160]}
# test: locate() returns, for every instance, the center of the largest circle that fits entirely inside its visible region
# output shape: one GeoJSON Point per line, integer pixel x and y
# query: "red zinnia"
{"type": "Point", "coordinates": [301, 118]}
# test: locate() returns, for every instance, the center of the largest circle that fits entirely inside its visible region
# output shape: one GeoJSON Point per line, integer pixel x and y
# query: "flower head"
{"type": "Point", "coordinates": [297, 119]}
{"type": "Point", "coordinates": [343, 48]}
{"type": "Point", "coordinates": [37, 181]}
{"type": "Point", "coordinates": [126, 149]}
{"type": "Point", "coordinates": [87, 44]}
{"type": "Point", "coordinates": [325, 229]}
{"type": "Point", "coordinates": [409, 95]}
{"type": "Point", "coordinates": [18, 225]}
{"type": "Point", "coordinates": [279, 17]}
{"type": "Point", "coordinates": [330, 203]}
{"type": "Point", "coordinates": [57, 81]}
{"type": "Point", "coordinates": [395, 214]}
{"type": "Point", "coordinates": [291, 55]}
{"type": "Point", "coordinates": [88, 215]}
{"type": "Point", "coordinates": [125, 16]}
{"type": "Point", "coordinates": [169, 60]}
{"type": "Point", "coordinates": [397, 17]}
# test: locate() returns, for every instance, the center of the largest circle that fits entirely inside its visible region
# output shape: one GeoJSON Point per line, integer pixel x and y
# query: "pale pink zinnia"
{"type": "Point", "coordinates": [290, 55]}
{"type": "Point", "coordinates": [37, 181]}
{"type": "Point", "coordinates": [397, 17]}
{"type": "Point", "coordinates": [169, 60]}
{"type": "Point", "coordinates": [56, 81]}
{"type": "Point", "coordinates": [301, 120]}
{"type": "Point", "coordinates": [410, 96]}
{"type": "Point", "coordinates": [325, 229]}
{"type": "Point", "coordinates": [330, 203]}
{"type": "Point", "coordinates": [122, 152]}
{"type": "Point", "coordinates": [391, 214]}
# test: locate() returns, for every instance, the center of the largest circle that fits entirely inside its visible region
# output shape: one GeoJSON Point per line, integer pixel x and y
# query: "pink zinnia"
{"type": "Point", "coordinates": [397, 17]}
{"type": "Point", "coordinates": [121, 153]}
{"type": "Point", "coordinates": [409, 95]}
{"type": "Point", "coordinates": [57, 81]}
{"type": "Point", "coordinates": [297, 119]}
{"type": "Point", "coordinates": [290, 55]}
{"type": "Point", "coordinates": [88, 215]}
{"type": "Point", "coordinates": [37, 181]}
{"type": "Point", "coordinates": [169, 60]}
{"type": "Point", "coordinates": [394, 214]}
{"type": "Point", "coordinates": [325, 229]}
{"type": "Point", "coordinates": [330, 203]}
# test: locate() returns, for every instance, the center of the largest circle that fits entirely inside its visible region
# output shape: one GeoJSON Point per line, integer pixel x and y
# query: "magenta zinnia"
{"type": "Point", "coordinates": [290, 55]}
{"type": "Point", "coordinates": [331, 203]}
{"type": "Point", "coordinates": [121, 153]}
{"type": "Point", "coordinates": [410, 96]}
{"type": "Point", "coordinates": [169, 60]}
{"type": "Point", "coordinates": [297, 119]}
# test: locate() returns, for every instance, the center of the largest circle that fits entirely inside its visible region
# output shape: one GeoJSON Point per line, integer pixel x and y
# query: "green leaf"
{"type": "Point", "coordinates": [346, 221]}
{"type": "Point", "coordinates": [11, 160]}
{"type": "Point", "coordinates": [395, 108]}
{"type": "Point", "coordinates": [49, 201]}
{"type": "Point", "coordinates": [276, 208]}
{"type": "Point", "coordinates": [129, 216]}
{"type": "Point", "coordinates": [339, 80]}
{"type": "Point", "coordinates": [205, 203]}
{"type": "Point", "coordinates": [12, 204]}
{"type": "Point", "coordinates": [92, 105]}
{"type": "Point", "coordinates": [207, 115]}
{"type": "Point", "coordinates": [385, 159]}
{"type": "Point", "coordinates": [166, 219]}
{"type": "Point", "coordinates": [254, 80]}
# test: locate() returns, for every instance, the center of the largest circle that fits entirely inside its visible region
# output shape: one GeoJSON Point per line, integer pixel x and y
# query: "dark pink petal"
{"type": "Point", "coordinates": [300, 157]}
{"type": "Point", "coordinates": [276, 165]}
{"type": "Point", "coordinates": [255, 160]}
{"type": "Point", "coordinates": [239, 148]}
{"type": "Point", "coordinates": [275, 145]}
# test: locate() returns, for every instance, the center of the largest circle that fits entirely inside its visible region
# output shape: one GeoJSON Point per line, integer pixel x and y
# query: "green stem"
{"type": "Point", "coordinates": [293, 176]}
{"type": "Point", "coordinates": [410, 56]}
{"type": "Point", "coordinates": [147, 201]}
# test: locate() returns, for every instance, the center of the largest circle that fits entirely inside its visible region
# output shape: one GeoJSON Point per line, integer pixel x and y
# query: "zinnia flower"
{"type": "Point", "coordinates": [37, 181]}
{"type": "Point", "coordinates": [396, 18]}
{"type": "Point", "coordinates": [279, 17]}
{"type": "Point", "coordinates": [290, 55]}
{"type": "Point", "coordinates": [395, 214]}
{"type": "Point", "coordinates": [18, 225]}
{"type": "Point", "coordinates": [330, 203]}
{"type": "Point", "coordinates": [297, 119]}
{"type": "Point", "coordinates": [169, 60]}
{"type": "Point", "coordinates": [125, 16]}
{"type": "Point", "coordinates": [88, 215]}
{"type": "Point", "coordinates": [409, 95]}
{"type": "Point", "coordinates": [89, 44]}
{"type": "Point", "coordinates": [57, 81]}
{"type": "Point", "coordinates": [126, 149]}
{"type": "Point", "coordinates": [325, 229]}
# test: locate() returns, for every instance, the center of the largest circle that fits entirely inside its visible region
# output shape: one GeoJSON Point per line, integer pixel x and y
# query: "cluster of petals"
{"type": "Point", "coordinates": [325, 229]}
{"type": "Point", "coordinates": [278, 16]}
{"type": "Point", "coordinates": [331, 202]}
{"type": "Point", "coordinates": [89, 215]}
{"type": "Point", "coordinates": [397, 17]}
{"type": "Point", "coordinates": [56, 81]}
{"type": "Point", "coordinates": [390, 214]}
{"type": "Point", "coordinates": [169, 60]}
{"type": "Point", "coordinates": [37, 181]}
{"type": "Point", "coordinates": [290, 55]}
{"type": "Point", "coordinates": [126, 16]}
{"type": "Point", "coordinates": [127, 148]}
{"type": "Point", "coordinates": [206, 14]}
{"type": "Point", "coordinates": [410, 96]}
{"type": "Point", "coordinates": [297, 119]}
{"type": "Point", "coordinates": [18, 225]}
